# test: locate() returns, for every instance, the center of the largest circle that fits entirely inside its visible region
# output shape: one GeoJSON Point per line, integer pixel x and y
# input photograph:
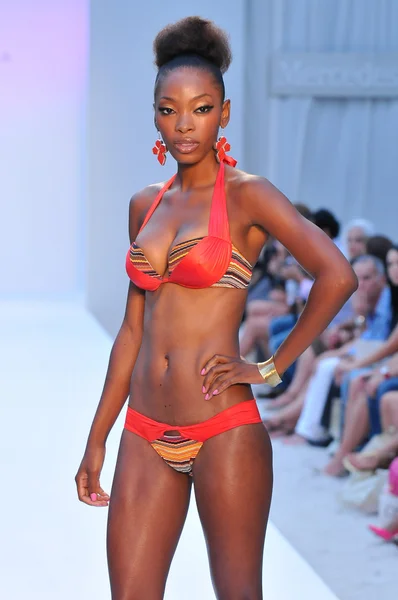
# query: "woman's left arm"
{"type": "Point", "coordinates": [334, 277]}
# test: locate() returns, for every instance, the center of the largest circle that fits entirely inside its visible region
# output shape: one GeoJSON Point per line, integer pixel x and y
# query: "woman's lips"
{"type": "Point", "coordinates": [186, 147]}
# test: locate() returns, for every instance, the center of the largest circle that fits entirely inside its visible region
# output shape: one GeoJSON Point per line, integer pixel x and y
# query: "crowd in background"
{"type": "Point", "coordinates": [342, 393]}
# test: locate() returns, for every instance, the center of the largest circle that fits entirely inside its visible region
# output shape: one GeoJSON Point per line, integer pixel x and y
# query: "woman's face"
{"type": "Point", "coordinates": [356, 242]}
{"type": "Point", "coordinates": [189, 112]}
{"type": "Point", "coordinates": [392, 265]}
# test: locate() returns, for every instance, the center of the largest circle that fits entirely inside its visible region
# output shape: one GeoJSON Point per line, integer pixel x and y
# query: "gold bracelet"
{"type": "Point", "coordinates": [269, 373]}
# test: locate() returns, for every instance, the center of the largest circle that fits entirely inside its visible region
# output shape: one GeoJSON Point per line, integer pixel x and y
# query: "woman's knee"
{"type": "Point", "coordinates": [242, 590]}
{"type": "Point", "coordinates": [132, 591]}
{"type": "Point", "coordinates": [389, 404]}
{"type": "Point", "coordinates": [390, 399]}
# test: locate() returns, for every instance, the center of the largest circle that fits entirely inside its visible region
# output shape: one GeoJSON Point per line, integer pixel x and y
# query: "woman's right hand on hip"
{"type": "Point", "coordinates": [87, 478]}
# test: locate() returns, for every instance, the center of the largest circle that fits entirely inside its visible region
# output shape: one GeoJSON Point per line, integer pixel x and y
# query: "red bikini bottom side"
{"type": "Point", "coordinates": [243, 413]}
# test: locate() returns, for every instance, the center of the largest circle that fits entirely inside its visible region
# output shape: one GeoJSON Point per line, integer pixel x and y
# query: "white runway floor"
{"type": "Point", "coordinates": [53, 358]}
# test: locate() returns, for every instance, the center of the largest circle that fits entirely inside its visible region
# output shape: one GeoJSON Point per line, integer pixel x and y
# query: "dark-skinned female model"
{"type": "Point", "coordinates": [191, 416]}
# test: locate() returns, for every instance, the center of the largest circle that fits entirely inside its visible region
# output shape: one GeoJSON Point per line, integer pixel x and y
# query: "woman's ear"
{"type": "Point", "coordinates": [225, 113]}
{"type": "Point", "coordinates": [154, 117]}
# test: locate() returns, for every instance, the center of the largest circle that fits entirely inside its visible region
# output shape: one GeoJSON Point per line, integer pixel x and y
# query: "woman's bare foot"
{"type": "Point", "coordinates": [335, 467]}
{"type": "Point", "coordinates": [361, 461]}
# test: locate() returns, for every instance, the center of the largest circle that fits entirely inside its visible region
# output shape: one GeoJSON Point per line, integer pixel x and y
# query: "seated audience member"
{"type": "Point", "coordinates": [334, 337]}
{"type": "Point", "coordinates": [326, 221]}
{"type": "Point", "coordinates": [360, 421]}
{"type": "Point", "coordinates": [304, 211]}
{"type": "Point", "coordinates": [293, 272]}
{"type": "Point", "coordinates": [265, 275]}
{"type": "Point", "coordinates": [370, 273]}
{"type": "Point", "coordinates": [356, 394]}
{"type": "Point", "coordinates": [354, 237]}
{"type": "Point", "coordinates": [391, 344]}
{"type": "Point", "coordinates": [280, 327]}
{"type": "Point", "coordinates": [263, 304]}
{"type": "Point", "coordinates": [261, 307]}
{"type": "Point", "coordinates": [379, 245]}
{"type": "Point", "coordinates": [383, 455]}
{"type": "Point", "coordinates": [291, 401]}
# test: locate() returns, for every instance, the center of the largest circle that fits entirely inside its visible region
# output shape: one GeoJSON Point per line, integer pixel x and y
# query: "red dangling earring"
{"type": "Point", "coordinates": [222, 147]}
{"type": "Point", "coordinates": [160, 150]}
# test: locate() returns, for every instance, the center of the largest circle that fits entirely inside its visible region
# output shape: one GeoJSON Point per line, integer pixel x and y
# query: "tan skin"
{"type": "Point", "coordinates": [158, 359]}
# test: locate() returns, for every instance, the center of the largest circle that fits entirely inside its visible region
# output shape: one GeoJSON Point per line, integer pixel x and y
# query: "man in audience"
{"type": "Point", "coordinates": [354, 238]}
{"type": "Point", "coordinates": [372, 282]}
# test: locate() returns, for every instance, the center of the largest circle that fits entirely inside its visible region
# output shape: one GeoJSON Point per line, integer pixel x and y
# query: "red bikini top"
{"type": "Point", "coordinates": [197, 263]}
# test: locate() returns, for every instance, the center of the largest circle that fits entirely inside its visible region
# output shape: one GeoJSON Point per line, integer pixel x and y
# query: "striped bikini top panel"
{"type": "Point", "coordinates": [209, 261]}
{"type": "Point", "coordinates": [237, 275]}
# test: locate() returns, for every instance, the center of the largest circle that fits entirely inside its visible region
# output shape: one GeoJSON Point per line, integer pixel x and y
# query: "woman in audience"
{"type": "Point", "coordinates": [264, 302]}
{"type": "Point", "coordinates": [265, 276]}
{"type": "Point", "coordinates": [355, 236]}
{"type": "Point", "coordinates": [379, 245]}
{"type": "Point", "coordinates": [277, 302]}
{"type": "Point", "coordinates": [326, 221]}
{"type": "Point", "coordinates": [358, 416]}
{"type": "Point", "coordinates": [357, 425]}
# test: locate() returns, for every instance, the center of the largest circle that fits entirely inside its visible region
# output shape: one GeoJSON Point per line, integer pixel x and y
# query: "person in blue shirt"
{"type": "Point", "coordinates": [372, 282]}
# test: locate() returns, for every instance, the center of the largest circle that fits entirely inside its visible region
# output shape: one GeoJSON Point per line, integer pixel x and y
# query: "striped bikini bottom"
{"type": "Point", "coordinates": [179, 445]}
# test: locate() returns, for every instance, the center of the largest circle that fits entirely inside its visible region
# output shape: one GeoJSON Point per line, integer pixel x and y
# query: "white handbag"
{"type": "Point", "coordinates": [362, 490]}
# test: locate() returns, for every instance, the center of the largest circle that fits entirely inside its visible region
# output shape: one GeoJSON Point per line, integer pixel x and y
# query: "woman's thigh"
{"type": "Point", "coordinates": [233, 488]}
{"type": "Point", "coordinates": [149, 503]}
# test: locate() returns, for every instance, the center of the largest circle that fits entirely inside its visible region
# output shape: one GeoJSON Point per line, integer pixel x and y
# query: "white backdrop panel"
{"type": "Point", "coordinates": [338, 153]}
{"type": "Point", "coordinates": [43, 60]}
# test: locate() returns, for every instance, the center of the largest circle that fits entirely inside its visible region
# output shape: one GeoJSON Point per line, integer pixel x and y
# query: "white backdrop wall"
{"type": "Point", "coordinates": [43, 73]}
{"type": "Point", "coordinates": [340, 153]}
{"type": "Point", "coordinates": [122, 133]}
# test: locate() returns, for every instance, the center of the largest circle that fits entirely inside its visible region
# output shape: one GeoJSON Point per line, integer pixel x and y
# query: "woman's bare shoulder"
{"type": "Point", "coordinates": [140, 199]}
{"type": "Point", "coordinates": [139, 206]}
{"type": "Point", "coordinates": [249, 193]}
{"type": "Point", "coordinates": [244, 183]}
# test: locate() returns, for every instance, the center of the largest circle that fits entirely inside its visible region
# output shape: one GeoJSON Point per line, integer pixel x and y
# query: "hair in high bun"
{"type": "Point", "coordinates": [193, 42]}
{"type": "Point", "coordinates": [193, 35]}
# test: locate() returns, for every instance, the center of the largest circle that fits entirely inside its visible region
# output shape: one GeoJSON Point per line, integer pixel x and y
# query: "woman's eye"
{"type": "Point", "coordinates": [204, 109]}
{"type": "Point", "coordinates": [165, 110]}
